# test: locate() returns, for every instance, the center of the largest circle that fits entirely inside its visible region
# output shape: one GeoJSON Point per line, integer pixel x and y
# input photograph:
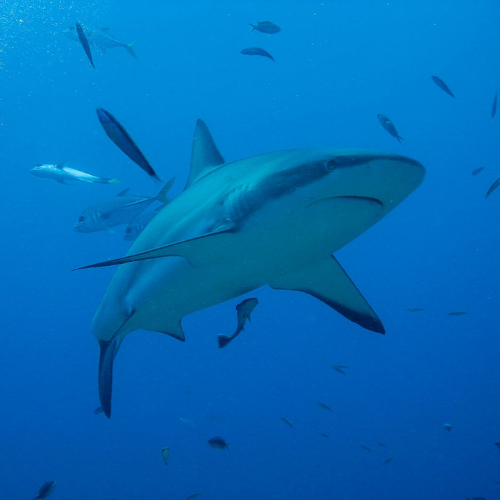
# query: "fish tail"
{"type": "Point", "coordinates": [252, 26]}
{"type": "Point", "coordinates": [130, 49]}
{"type": "Point", "coordinates": [162, 195]}
{"type": "Point", "coordinates": [113, 181]}
{"type": "Point", "coordinates": [399, 138]}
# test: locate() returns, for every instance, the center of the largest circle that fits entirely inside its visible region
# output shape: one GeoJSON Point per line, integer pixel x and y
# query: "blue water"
{"type": "Point", "coordinates": [337, 65]}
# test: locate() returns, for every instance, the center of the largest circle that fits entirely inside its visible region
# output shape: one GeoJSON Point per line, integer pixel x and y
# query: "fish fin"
{"type": "Point", "coordinates": [328, 282]}
{"type": "Point", "coordinates": [63, 164]}
{"type": "Point", "coordinates": [205, 155]}
{"type": "Point", "coordinates": [223, 340]}
{"type": "Point", "coordinates": [108, 351]}
{"type": "Point", "coordinates": [130, 49]}
{"type": "Point", "coordinates": [162, 195]}
{"type": "Point", "coordinates": [173, 329]}
{"type": "Point", "coordinates": [124, 192]}
{"type": "Point", "coordinates": [196, 250]}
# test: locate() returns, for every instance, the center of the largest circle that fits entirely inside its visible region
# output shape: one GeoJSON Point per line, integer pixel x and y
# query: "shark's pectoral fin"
{"type": "Point", "coordinates": [198, 251]}
{"type": "Point", "coordinates": [108, 351]}
{"type": "Point", "coordinates": [328, 282]}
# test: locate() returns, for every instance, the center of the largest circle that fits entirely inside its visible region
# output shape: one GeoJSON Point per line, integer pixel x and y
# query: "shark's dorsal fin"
{"type": "Point", "coordinates": [328, 282]}
{"type": "Point", "coordinates": [124, 192]}
{"type": "Point", "coordinates": [205, 155]}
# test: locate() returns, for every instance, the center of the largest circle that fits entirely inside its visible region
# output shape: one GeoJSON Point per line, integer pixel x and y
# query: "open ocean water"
{"type": "Point", "coordinates": [337, 65]}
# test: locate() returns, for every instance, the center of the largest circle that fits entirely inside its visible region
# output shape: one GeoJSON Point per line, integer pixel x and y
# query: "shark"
{"type": "Point", "coordinates": [273, 219]}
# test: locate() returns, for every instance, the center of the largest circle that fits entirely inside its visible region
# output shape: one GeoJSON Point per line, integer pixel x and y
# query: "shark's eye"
{"type": "Point", "coordinates": [331, 164]}
{"type": "Point", "coordinates": [81, 218]}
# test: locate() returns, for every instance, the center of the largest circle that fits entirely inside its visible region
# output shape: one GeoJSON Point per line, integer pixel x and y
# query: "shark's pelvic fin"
{"type": "Point", "coordinates": [198, 251]}
{"type": "Point", "coordinates": [205, 155]}
{"type": "Point", "coordinates": [328, 282]}
{"type": "Point", "coordinates": [174, 330]}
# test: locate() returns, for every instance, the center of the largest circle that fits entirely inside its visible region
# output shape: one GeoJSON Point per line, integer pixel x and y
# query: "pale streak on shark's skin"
{"type": "Point", "coordinates": [271, 219]}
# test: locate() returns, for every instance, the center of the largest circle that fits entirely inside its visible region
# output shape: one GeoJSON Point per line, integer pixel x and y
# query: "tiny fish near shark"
{"type": "Point", "coordinates": [389, 126]}
{"type": "Point", "coordinates": [243, 311]}
{"type": "Point", "coordinates": [442, 85]}
{"type": "Point", "coordinates": [84, 42]}
{"type": "Point", "coordinates": [67, 175]}
{"type": "Point", "coordinates": [115, 131]}
{"type": "Point", "coordinates": [273, 219]}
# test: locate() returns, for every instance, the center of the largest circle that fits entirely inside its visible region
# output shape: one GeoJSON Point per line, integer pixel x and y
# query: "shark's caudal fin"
{"type": "Point", "coordinates": [205, 155]}
{"type": "Point", "coordinates": [328, 282]}
{"type": "Point", "coordinates": [130, 49]}
{"type": "Point", "coordinates": [108, 351]}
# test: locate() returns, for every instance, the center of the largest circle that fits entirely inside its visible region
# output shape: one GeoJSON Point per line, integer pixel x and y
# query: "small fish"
{"type": "Point", "coordinates": [266, 27]}
{"type": "Point", "coordinates": [494, 106]}
{"type": "Point", "coordinates": [45, 490]}
{"type": "Point", "coordinates": [365, 448]}
{"type": "Point", "coordinates": [100, 38]}
{"type": "Point", "coordinates": [165, 454]}
{"type": "Point", "coordinates": [457, 313]}
{"type": "Point", "coordinates": [442, 85]}
{"type": "Point", "coordinates": [66, 175]}
{"type": "Point", "coordinates": [389, 460]}
{"type": "Point", "coordinates": [121, 209]}
{"type": "Point", "coordinates": [98, 410]}
{"type": "Point", "coordinates": [324, 435]}
{"type": "Point", "coordinates": [136, 226]}
{"type": "Point", "coordinates": [477, 171]}
{"type": "Point", "coordinates": [325, 407]}
{"type": "Point", "coordinates": [218, 443]}
{"type": "Point", "coordinates": [389, 126]}
{"type": "Point", "coordinates": [498, 444]}
{"type": "Point", "coordinates": [415, 309]}
{"type": "Point", "coordinates": [115, 131]}
{"type": "Point", "coordinates": [339, 368]}
{"type": "Point", "coordinates": [244, 309]}
{"type": "Point", "coordinates": [194, 495]}
{"type": "Point", "coordinates": [447, 427]}
{"type": "Point", "coordinates": [85, 43]}
{"type": "Point", "coordinates": [493, 186]}
{"type": "Point", "coordinates": [287, 422]}
{"type": "Point", "coordinates": [257, 51]}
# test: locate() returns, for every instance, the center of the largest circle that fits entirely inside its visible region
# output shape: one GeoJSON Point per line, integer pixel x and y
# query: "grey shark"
{"type": "Point", "coordinates": [273, 219]}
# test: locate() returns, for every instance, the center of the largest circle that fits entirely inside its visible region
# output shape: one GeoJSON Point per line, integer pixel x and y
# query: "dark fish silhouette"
{"type": "Point", "coordinates": [218, 443]}
{"type": "Point", "coordinates": [415, 309]}
{"type": "Point", "coordinates": [325, 407]}
{"type": "Point", "coordinates": [120, 137]}
{"type": "Point", "coordinates": [339, 368]}
{"type": "Point", "coordinates": [287, 422]}
{"type": "Point", "coordinates": [244, 309]}
{"type": "Point", "coordinates": [266, 27]}
{"type": "Point", "coordinates": [389, 460]}
{"type": "Point", "coordinates": [85, 43]}
{"type": "Point", "coordinates": [447, 427]}
{"type": "Point", "coordinates": [365, 448]}
{"type": "Point", "coordinates": [442, 85]}
{"type": "Point", "coordinates": [98, 410]}
{"type": "Point", "coordinates": [382, 445]}
{"type": "Point", "coordinates": [493, 187]}
{"type": "Point", "coordinates": [389, 126]}
{"type": "Point", "coordinates": [498, 444]}
{"type": "Point", "coordinates": [257, 51]}
{"type": "Point", "coordinates": [45, 490]}
{"type": "Point", "coordinates": [494, 107]}
{"type": "Point", "coordinates": [324, 435]}
{"type": "Point", "coordinates": [457, 313]}
{"type": "Point", "coordinates": [477, 171]}
{"type": "Point", "coordinates": [194, 495]}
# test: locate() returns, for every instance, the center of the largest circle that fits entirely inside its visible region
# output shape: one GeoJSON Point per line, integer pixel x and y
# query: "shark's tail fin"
{"type": "Point", "coordinates": [129, 47]}
{"type": "Point", "coordinates": [162, 195]}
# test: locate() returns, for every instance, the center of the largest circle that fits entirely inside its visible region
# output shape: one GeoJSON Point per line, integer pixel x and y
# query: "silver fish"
{"type": "Point", "coordinates": [135, 227]}
{"type": "Point", "coordinates": [121, 209]}
{"type": "Point", "coordinates": [67, 175]}
{"type": "Point", "coordinates": [389, 126]}
{"type": "Point", "coordinates": [274, 219]}
{"type": "Point", "coordinates": [265, 27]}
{"type": "Point", "coordinates": [100, 38]}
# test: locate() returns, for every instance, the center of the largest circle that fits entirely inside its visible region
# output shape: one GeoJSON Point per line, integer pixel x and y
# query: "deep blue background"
{"type": "Point", "coordinates": [337, 65]}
